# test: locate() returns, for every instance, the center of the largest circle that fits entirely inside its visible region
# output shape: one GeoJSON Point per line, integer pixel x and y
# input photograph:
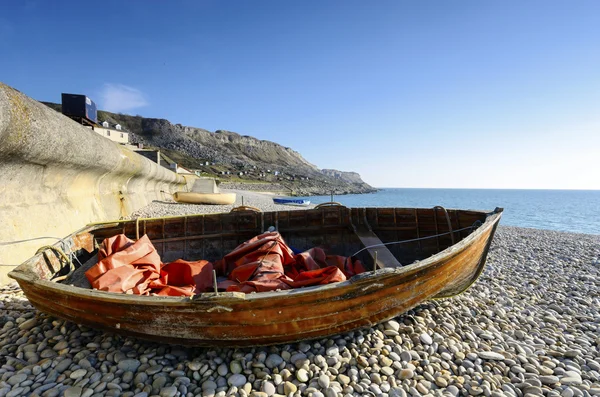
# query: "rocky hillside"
{"type": "Point", "coordinates": [235, 158]}
{"type": "Point", "coordinates": [350, 177]}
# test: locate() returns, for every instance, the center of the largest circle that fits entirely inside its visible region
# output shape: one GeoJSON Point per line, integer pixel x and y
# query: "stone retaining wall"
{"type": "Point", "coordinates": [56, 176]}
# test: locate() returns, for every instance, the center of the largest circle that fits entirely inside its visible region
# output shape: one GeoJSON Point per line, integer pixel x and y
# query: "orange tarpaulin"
{"type": "Point", "coordinates": [257, 264]}
{"type": "Point", "coordinates": [135, 267]}
{"type": "Point", "coordinates": [316, 258]}
{"type": "Point", "coordinates": [263, 263]}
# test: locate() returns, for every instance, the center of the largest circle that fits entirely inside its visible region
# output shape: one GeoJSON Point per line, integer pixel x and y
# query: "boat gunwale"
{"type": "Point", "coordinates": [25, 273]}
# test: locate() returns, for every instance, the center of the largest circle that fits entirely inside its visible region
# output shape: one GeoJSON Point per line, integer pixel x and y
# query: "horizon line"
{"type": "Point", "coordinates": [489, 188]}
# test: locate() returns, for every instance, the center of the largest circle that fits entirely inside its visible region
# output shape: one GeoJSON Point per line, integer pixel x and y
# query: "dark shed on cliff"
{"type": "Point", "coordinates": [80, 108]}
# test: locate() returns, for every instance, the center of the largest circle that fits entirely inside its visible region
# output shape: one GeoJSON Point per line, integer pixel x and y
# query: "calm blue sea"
{"type": "Point", "coordinates": [575, 211]}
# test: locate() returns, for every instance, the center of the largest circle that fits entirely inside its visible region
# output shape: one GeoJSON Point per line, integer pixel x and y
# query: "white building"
{"type": "Point", "coordinates": [114, 133]}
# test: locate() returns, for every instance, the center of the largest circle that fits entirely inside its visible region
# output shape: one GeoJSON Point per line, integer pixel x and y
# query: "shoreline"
{"type": "Point", "coordinates": [529, 326]}
{"type": "Point", "coordinates": [297, 190]}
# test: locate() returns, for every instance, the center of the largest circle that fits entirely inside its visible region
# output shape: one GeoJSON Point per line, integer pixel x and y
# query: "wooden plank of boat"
{"type": "Point", "coordinates": [204, 198]}
{"type": "Point", "coordinates": [291, 201]}
{"type": "Point", "coordinates": [435, 268]}
{"type": "Point", "coordinates": [379, 252]}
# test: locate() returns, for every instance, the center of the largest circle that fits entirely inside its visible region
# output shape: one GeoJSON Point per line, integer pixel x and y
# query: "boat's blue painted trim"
{"type": "Point", "coordinates": [290, 201]}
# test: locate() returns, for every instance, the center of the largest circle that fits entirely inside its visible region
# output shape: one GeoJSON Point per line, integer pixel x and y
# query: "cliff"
{"type": "Point", "coordinates": [235, 158]}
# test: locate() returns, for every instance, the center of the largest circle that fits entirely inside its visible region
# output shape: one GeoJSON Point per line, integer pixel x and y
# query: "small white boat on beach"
{"type": "Point", "coordinates": [291, 201]}
{"type": "Point", "coordinates": [204, 198]}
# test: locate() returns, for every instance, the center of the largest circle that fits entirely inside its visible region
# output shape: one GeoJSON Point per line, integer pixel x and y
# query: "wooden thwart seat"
{"type": "Point", "coordinates": [380, 254]}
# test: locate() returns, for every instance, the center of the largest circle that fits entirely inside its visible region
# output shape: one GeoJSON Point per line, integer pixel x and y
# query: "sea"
{"type": "Point", "coordinates": [576, 211]}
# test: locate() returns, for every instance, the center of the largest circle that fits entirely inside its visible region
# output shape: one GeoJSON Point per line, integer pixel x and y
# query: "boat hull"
{"type": "Point", "coordinates": [236, 319]}
{"type": "Point", "coordinates": [294, 202]}
{"type": "Point", "coordinates": [204, 198]}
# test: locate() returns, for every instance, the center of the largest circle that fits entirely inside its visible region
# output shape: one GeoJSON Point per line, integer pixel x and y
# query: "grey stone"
{"type": "Point", "coordinates": [549, 379]}
{"type": "Point", "coordinates": [129, 364]}
{"type": "Point", "coordinates": [170, 391]}
{"type": "Point", "coordinates": [273, 360]}
{"type": "Point", "coordinates": [426, 338]}
{"type": "Point", "coordinates": [73, 392]}
{"type": "Point", "coordinates": [324, 381]}
{"type": "Point", "coordinates": [16, 379]}
{"type": "Point", "coordinates": [237, 380]}
{"type": "Point", "coordinates": [269, 388]}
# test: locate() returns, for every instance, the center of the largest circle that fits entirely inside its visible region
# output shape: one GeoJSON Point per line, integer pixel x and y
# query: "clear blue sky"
{"type": "Point", "coordinates": [463, 94]}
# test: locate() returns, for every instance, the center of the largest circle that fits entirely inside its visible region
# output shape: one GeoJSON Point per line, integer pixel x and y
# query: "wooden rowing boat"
{"type": "Point", "coordinates": [291, 201]}
{"type": "Point", "coordinates": [433, 253]}
{"type": "Point", "coordinates": [204, 198]}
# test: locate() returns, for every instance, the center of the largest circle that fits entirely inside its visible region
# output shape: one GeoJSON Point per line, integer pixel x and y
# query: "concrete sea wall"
{"type": "Point", "coordinates": [56, 176]}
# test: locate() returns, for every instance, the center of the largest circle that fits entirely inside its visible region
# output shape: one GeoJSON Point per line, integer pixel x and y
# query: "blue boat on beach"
{"type": "Point", "coordinates": [291, 201]}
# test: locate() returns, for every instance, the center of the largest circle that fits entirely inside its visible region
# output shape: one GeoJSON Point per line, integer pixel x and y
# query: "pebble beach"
{"type": "Point", "coordinates": [259, 200]}
{"type": "Point", "coordinates": [530, 326]}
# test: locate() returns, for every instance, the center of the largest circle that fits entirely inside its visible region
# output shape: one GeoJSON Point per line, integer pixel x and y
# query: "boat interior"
{"type": "Point", "coordinates": [378, 237]}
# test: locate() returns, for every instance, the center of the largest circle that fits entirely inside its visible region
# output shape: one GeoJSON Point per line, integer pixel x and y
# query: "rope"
{"type": "Point", "coordinates": [414, 239]}
{"type": "Point", "coordinates": [29, 239]}
{"type": "Point", "coordinates": [55, 249]}
{"type": "Point", "coordinates": [59, 253]}
{"type": "Point", "coordinates": [72, 255]}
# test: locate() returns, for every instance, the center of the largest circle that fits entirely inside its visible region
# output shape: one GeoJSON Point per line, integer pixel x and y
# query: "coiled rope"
{"type": "Point", "coordinates": [64, 258]}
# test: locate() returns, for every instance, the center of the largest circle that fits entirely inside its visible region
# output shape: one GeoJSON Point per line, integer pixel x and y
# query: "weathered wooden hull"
{"type": "Point", "coordinates": [235, 319]}
{"type": "Point", "coordinates": [204, 198]}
